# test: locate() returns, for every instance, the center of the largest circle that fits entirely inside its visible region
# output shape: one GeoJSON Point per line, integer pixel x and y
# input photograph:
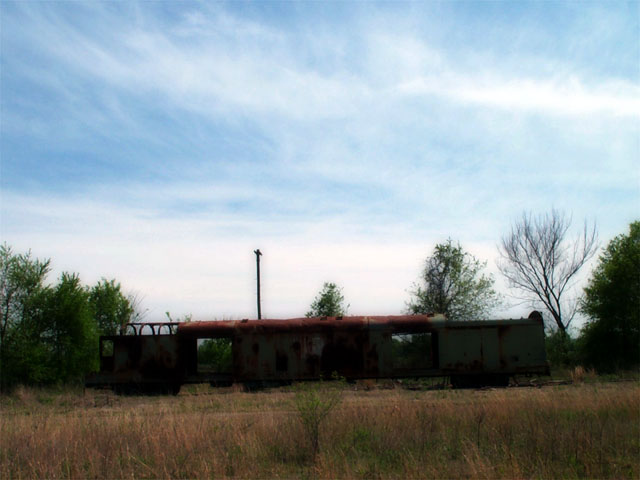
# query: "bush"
{"type": "Point", "coordinates": [313, 403]}
{"type": "Point", "coordinates": [611, 338]}
{"type": "Point", "coordinates": [215, 354]}
{"type": "Point", "coordinates": [562, 350]}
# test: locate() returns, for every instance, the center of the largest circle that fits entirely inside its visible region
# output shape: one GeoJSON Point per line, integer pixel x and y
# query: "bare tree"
{"type": "Point", "coordinates": [538, 260]}
{"type": "Point", "coordinates": [137, 311]}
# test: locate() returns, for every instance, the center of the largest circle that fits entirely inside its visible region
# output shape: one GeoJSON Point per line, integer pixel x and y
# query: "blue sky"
{"type": "Point", "coordinates": [160, 143]}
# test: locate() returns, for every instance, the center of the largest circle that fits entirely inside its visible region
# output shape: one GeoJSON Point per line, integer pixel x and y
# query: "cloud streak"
{"type": "Point", "coordinates": [221, 64]}
{"type": "Point", "coordinates": [138, 139]}
{"type": "Point", "coordinates": [567, 96]}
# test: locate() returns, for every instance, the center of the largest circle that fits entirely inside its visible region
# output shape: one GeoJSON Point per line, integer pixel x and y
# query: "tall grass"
{"type": "Point", "coordinates": [586, 430]}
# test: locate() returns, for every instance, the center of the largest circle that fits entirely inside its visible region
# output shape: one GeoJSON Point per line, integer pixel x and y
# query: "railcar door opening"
{"type": "Point", "coordinates": [215, 360]}
{"type": "Point", "coordinates": [414, 353]}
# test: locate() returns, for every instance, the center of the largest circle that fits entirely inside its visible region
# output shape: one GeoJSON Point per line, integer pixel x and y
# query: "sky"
{"type": "Point", "coordinates": [161, 143]}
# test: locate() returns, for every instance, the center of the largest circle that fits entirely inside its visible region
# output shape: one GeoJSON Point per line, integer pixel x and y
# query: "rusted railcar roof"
{"type": "Point", "coordinates": [229, 327]}
{"type": "Point", "coordinates": [394, 323]}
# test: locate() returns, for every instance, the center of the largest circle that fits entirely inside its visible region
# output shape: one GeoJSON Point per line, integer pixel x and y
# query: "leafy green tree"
{"type": "Point", "coordinates": [562, 350]}
{"type": "Point", "coordinates": [328, 303]}
{"type": "Point", "coordinates": [611, 339]}
{"type": "Point", "coordinates": [48, 334]}
{"type": "Point", "coordinates": [21, 288]}
{"type": "Point", "coordinates": [110, 308]}
{"type": "Point", "coordinates": [453, 284]}
{"type": "Point", "coordinates": [68, 330]}
{"type": "Point", "coordinates": [214, 354]}
{"type": "Point", "coordinates": [57, 342]}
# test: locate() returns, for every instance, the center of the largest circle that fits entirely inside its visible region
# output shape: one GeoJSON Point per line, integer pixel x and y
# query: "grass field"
{"type": "Point", "coordinates": [587, 430]}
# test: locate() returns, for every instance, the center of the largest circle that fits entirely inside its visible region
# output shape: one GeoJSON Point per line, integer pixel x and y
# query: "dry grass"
{"type": "Point", "coordinates": [581, 430]}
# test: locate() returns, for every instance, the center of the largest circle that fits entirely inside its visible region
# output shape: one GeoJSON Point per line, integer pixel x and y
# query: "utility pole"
{"type": "Point", "coordinates": [258, 254]}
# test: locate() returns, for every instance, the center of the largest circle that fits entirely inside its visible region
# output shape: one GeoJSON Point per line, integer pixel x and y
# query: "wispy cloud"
{"type": "Point", "coordinates": [565, 96]}
{"type": "Point", "coordinates": [138, 139]}
{"type": "Point", "coordinates": [220, 65]}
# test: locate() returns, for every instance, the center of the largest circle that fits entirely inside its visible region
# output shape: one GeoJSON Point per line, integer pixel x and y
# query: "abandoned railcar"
{"type": "Point", "coordinates": [162, 357]}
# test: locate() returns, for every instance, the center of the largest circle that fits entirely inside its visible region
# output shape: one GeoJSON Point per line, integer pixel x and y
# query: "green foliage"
{"type": "Point", "coordinates": [21, 291]}
{"type": "Point", "coordinates": [611, 339]}
{"type": "Point", "coordinates": [313, 403]}
{"type": "Point", "coordinates": [69, 331]}
{"type": "Point", "coordinates": [412, 351]}
{"type": "Point", "coordinates": [562, 350]}
{"type": "Point", "coordinates": [109, 306]}
{"type": "Point", "coordinates": [187, 317]}
{"type": "Point", "coordinates": [453, 284]}
{"type": "Point", "coordinates": [214, 354]}
{"type": "Point", "coordinates": [328, 303]}
{"type": "Point", "coordinates": [57, 341]}
{"type": "Point", "coordinates": [21, 280]}
{"type": "Point", "coordinates": [49, 334]}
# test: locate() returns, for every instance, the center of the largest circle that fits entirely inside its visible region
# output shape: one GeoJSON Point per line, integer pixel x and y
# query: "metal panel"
{"type": "Point", "coordinates": [461, 350]}
{"type": "Point", "coordinates": [305, 348]}
{"type": "Point", "coordinates": [294, 355]}
{"type": "Point", "coordinates": [522, 348]}
{"type": "Point", "coordinates": [490, 350]}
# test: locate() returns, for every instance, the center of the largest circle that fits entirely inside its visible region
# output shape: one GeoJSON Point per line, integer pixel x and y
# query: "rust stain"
{"type": "Point", "coordinates": [403, 323]}
{"type": "Point", "coordinates": [305, 348]}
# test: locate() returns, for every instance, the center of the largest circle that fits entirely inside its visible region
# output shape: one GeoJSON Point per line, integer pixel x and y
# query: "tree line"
{"type": "Point", "coordinates": [49, 333]}
{"type": "Point", "coordinates": [540, 263]}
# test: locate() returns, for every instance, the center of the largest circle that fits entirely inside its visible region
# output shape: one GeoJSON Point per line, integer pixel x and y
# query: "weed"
{"type": "Point", "coordinates": [585, 430]}
{"type": "Point", "coordinates": [313, 401]}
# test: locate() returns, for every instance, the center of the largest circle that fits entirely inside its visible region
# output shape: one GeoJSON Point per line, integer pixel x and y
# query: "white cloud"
{"type": "Point", "coordinates": [220, 65]}
{"type": "Point", "coordinates": [354, 150]}
{"type": "Point", "coordinates": [206, 267]}
{"type": "Point", "coordinates": [564, 96]}
{"type": "Point", "coordinates": [190, 266]}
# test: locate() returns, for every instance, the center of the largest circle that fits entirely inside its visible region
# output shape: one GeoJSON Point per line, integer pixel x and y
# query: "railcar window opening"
{"type": "Point", "coordinates": [215, 355]}
{"type": "Point", "coordinates": [107, 348]}
{"type": "Point", "coordinates": [414, 351]}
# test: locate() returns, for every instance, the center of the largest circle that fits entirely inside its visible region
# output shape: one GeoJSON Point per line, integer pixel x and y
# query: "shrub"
{"type": "Point", "coordinates": [562, 350]}
{"type": "Point", "coordinates": [313, 402]}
